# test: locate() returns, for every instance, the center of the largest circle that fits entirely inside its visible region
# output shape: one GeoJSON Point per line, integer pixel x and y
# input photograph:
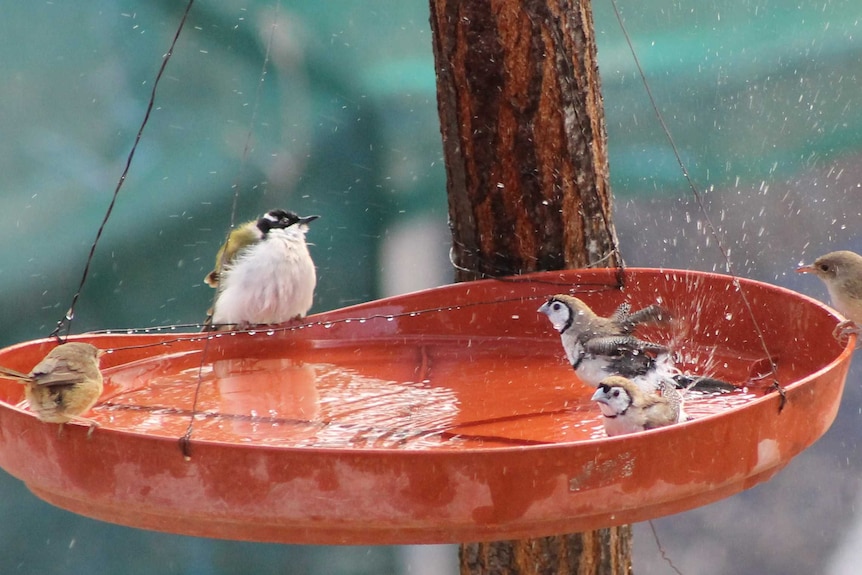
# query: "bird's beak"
{"type": "Point", "coordinates": [307, 220]}
{"type": "Point", "coordinates": [599, 395]}
{"type": "Point", "coordinates": [805, 269]}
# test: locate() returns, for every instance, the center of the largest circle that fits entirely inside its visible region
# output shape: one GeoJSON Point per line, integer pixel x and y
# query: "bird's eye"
{"type": "Point", "coordinates": [557, 306]}
{"type": "Point", "coordinates": [825, 267]}
{"type": "Point", "coordinates": [616, 393]}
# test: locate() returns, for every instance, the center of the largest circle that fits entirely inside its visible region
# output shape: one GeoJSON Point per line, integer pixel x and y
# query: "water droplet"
{"type": "Point", "coordinates": [270, 332]}
{"type": "Point", "coordinates": [327, 325]}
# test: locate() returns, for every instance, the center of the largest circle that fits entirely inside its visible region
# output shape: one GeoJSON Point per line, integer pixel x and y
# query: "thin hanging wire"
{"type": "Point", "coordinates": [65, 323]}
{"type": "Point", "coordinates": [185, 440]}
{"type": "Point", "coordinates": [661, 549]}
{"type": "Point", "coordinates": [699, 201]}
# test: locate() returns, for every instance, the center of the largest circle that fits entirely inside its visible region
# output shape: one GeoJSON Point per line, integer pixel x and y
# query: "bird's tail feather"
{"type": "Point", "coordinates": [6, 373]}
{"type": "Point", "coordinates": [702, 383]}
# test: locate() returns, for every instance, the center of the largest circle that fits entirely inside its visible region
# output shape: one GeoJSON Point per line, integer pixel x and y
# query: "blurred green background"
{"type": "Point", "coordinates": [763, 101]}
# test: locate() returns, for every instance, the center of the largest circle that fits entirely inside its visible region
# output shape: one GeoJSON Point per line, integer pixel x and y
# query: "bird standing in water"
{"type": "Point", "coordinates": [598, 346]}
{"type": "Point", "coordinates": [64, 385]}
{"type": "Point", "coordinates": [264, 273]}
{"type": "Point", "coordinates": [841, 271]}
{"type": "Point", "coordinates": [626, 408]}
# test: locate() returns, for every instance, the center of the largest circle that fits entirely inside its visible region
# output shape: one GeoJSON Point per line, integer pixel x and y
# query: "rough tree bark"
{"type": "Point", "coordinates": [523, 135]}
{"type": "Point", "coordinates": [527, 178]}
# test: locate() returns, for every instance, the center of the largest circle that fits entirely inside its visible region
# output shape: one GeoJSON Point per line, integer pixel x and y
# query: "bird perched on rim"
{"type": "Point", "coordinates": [263, 273]}
{"type": "Point", "coordinates": [64, 385]}
{"type": "Point", "coordinates": [626, 408]}
{"type": "Point", "coordinates": [841, 271]}
{"type": "Point", "coordinates": [598, 346]}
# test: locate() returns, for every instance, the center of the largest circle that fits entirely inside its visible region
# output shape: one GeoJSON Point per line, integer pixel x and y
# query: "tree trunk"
{"type": "Point", "coordinates": [602, 551]}
{"type": "Point", "coordinates": [523, 136]}
{"type": "Point", "coordinates": [527, 178]}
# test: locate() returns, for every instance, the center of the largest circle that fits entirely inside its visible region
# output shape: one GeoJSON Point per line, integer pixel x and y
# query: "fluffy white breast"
{"type": "Point", "coordinates": [271, 282]}
{"type": "Point", "coordinates": [621, 425]}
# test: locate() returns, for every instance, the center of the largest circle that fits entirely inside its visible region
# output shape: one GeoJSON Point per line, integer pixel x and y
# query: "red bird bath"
{"type": "Point", "coordinates": [447, 415]}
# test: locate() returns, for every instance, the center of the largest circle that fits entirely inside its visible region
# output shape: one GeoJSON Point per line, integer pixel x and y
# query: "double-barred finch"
{"type": "Point", "coordinates": [598, 346]}
{"type": "Point", "coordinates": [626, 408]}
{"type": "Point", "coordinates": [264, 273]}
{"type": "Point", "coordinates": [841, 271]}
{"type": "Point", "coordinates": [64, 385]}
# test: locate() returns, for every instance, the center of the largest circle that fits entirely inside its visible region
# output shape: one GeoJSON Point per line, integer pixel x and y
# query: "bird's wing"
{"type": "Point", "coordinates": [622, 313]}
{"type": "Point", "coordinates": [239, 239]}
{"type": "Point", "coordinates": [211, 279]}
{"type": "Point", "coordinates": [6, 373]}
{"type": "Point", "coordinates": [670, 393]}
{"type": "Point", "coordinates": [652, 314]}
{"type": "Point", "coordinates": [659, 414]}
{"type": "Point", "coordinates": [620, 345]}
{"type": "Point", "coordinates": [631, 365]}
{"type": "Point", "coordinates": [54, 371]}
{"type": "Point", "coordinates": [702, 383]}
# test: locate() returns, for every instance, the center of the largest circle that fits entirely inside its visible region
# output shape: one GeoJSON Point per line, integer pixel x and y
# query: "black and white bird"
{"type": "Point", "coordinates": [626, 408]}
{"type": "Point", "coordinates": [598, 346]}
{"type": "Point", "coordinates": [841, 271]}
{"type": "Point", "coordinates": [264, 273]}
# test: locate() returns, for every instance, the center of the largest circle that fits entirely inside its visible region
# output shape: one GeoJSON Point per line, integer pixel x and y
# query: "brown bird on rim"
{"type": "Point", "coordinates": [841, 271]}
{"type": "Point", "coordinates": [64, 385]}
